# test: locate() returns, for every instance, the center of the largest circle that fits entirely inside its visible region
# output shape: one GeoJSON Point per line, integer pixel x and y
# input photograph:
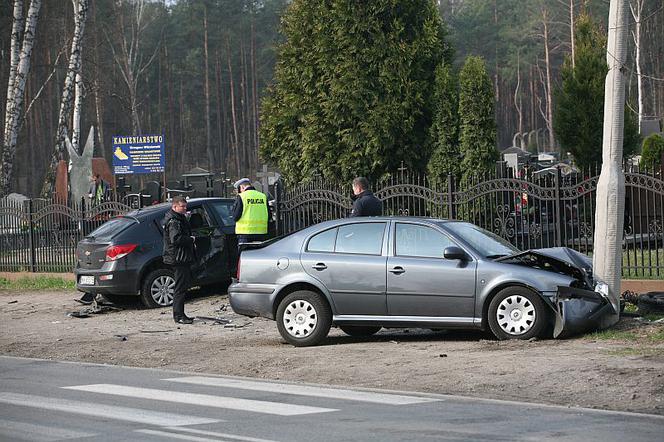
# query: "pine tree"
{"type": "Point", "coordinates": [353, 88]}
{"type": "Point", "coordinates": [476, 117]}
{"type": "Point", "coordinates": [579, 112]}
{"type": "Point", "coordinates": [653, 149]}
{"type": "Point", "coordinates": [444, 133]}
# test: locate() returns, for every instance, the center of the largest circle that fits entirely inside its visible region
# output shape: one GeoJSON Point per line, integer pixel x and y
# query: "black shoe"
{"type": "Point", "coordinates": [86, 299]}
{"type": "Point", "coordinates": [184, 320]}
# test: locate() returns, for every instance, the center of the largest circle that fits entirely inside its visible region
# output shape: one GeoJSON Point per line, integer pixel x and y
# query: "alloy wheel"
{"type": "Point", "coordinates": [162, 290]}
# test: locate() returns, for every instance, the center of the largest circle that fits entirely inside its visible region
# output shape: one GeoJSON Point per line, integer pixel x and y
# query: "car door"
{"type": "Point", "coordinates": [210, 254]}
{"type": "Point", "coordinates": [349, 261]}
{"type": "Point", "coordinates": [421, 282]}
{"type": "Point", "coordinates": [225, 238]}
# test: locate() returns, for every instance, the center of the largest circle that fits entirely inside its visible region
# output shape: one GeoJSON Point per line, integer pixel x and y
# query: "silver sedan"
{"type": "Point", "coordinates": [363, 274]}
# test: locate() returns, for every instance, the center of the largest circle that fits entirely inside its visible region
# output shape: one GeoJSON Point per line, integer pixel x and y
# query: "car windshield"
{"type": "Point", "coordinates": [486, 243]}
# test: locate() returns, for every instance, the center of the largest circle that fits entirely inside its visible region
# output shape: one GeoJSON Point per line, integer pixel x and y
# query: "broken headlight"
{"type": "Point", "coordinates": [602, 288]}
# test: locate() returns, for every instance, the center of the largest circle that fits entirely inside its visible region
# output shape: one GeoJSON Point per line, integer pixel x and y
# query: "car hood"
{"type": "Point", "coordinates": [561, 260]}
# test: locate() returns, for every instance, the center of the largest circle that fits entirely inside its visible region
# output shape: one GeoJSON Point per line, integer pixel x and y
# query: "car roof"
{"type": "Point", "coordinates": [162, 207]}
{"type": "Point", "coordinates": [424, 219]}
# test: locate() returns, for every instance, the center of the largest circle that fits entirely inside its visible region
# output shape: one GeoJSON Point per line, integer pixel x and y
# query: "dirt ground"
{"type": "Point", "coordinates": [626, 375]}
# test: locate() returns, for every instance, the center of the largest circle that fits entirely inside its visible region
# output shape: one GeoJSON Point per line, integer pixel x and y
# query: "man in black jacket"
{"type": "Point", "coordinates": [366, 204]}
{"type": "Point", "coordinates": [179, 254]}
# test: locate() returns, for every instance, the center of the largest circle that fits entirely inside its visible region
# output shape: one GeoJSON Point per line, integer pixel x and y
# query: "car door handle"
{"type": "Point", "coordinates": [319, 266]}
{"type": "Point", "coordinates": [397, 270]}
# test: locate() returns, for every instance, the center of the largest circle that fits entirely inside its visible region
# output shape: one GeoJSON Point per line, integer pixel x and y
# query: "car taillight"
{"type": "Point", "coordinates": [119, 251]}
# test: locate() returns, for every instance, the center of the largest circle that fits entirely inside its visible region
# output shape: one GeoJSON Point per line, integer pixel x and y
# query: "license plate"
{"type": "Point", "coordinates": [86, 280]}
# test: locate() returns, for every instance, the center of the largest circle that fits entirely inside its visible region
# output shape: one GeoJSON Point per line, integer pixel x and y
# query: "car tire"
{"type": "Point", "coordinates": [517, 313]}
{"type": "Point", "coordinates": [158, 288]}
{"type": "Point", "coordinates": [304, 318]}
{"type": "Point", "coordinates": [360, 330]}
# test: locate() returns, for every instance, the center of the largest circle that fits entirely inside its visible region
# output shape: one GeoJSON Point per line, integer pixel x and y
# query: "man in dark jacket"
{"type": "Point", "coordinates": [366, 204]}
{"type": "Point", "coordinates": [179, 254]}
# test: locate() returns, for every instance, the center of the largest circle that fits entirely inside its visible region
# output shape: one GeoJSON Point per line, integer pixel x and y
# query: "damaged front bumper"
{"type": "Point", "coordinates": [578, 311]}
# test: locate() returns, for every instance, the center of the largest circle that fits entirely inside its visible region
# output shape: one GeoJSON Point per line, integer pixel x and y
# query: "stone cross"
{"type": "Point", "coordinates": [264, 177]}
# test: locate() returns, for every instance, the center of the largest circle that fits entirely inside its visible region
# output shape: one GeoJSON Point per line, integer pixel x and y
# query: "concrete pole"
{"type": "Point", "coordinates": [609, 216]}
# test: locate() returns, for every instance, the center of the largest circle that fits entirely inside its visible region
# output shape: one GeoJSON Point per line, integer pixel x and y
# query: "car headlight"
{"type": "Point", "coordinates": [602, 288]}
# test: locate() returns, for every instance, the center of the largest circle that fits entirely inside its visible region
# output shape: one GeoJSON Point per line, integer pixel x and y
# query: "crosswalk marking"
{"type": "Point", "coordinates": [37, 433]}
{"type": "Point", "coordinates": [101, 410]}
{"type": "Point", "coordinates": [178, 436]}
{"type": "Point", "coordinates": [226, 435]}
{"type": "Point", "coordinates": [199, 435]}
{"type": "Point", "coordinates": [278, 408]}
{"type": "Point", "coordinates": [305, 390]}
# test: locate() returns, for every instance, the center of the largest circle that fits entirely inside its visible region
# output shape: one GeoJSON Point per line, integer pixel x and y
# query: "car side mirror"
{"type": "Point", "coordinates": [454, 252]}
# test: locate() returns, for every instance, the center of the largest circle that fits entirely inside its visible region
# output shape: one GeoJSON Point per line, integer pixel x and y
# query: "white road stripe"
{"type": "Point", "coordinates": [178, 436]}
{"type": "Point", "coordinates": [205, 400]}
{"type": "Point", "coordinates": [306, 390]}
{"type": "Point", "coordinates": [140, 416]}
{"type": "Point", "coordinates": [37, 433]}
{"type": "Point", "coordinates": [226, 435]}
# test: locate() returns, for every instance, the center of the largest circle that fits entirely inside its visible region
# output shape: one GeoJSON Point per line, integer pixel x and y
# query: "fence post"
{"type": "Point", "coordinates": [559, 217]}
{"type": "Point", "coordinates": [31, 238]}
{"type": "Point", "coordinates": [451, 213]}
{"type": "Point", "coordinates": [277, 211]}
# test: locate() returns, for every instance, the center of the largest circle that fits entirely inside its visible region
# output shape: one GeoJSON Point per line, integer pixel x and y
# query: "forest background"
{"type": "Point", "coordinates": [199, 70]}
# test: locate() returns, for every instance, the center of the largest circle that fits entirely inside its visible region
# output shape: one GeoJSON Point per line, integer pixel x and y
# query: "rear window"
{"type": "Point", "coordinates": [111, 228]}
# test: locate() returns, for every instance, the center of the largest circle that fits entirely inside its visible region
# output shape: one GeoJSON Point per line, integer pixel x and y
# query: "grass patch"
{"type": "Point", "coordinates": [37, 283]}
{"type": "Point", "coordinates": [610, 334]}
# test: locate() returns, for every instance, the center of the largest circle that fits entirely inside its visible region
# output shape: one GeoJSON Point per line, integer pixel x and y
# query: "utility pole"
{"type": "Point", "coordinates": [609, 216]}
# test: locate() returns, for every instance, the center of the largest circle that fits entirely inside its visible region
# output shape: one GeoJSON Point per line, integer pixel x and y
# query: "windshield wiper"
{"type": "Point", "coordinates": [497, 256]}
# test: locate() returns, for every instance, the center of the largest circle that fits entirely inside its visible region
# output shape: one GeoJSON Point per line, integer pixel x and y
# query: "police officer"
{"type": "Point", "coordinates": [250, 212]}
{"type": "Point", "coordinates": [179, 254]}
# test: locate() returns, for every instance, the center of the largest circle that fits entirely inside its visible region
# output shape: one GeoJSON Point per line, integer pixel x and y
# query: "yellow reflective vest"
{"type": "Point", "coordinates": [254, 214]}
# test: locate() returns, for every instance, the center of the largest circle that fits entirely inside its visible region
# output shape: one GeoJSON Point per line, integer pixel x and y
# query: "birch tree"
{"type": "Point", "coordinates": [68, 92]}
{"type": "Point", "coordinates": [128, 52]}
{"type": "Point", "coordinates": [636, 7]}
{"type": "Point", "coordinates": [18, 73]}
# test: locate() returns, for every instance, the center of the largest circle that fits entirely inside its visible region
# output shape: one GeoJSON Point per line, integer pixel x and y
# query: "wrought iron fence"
{"type": "Point", "coordinates": [41, 235]}
{"type": "Point", "coordinates": [544, 209]}
{"type": "Point", "coordinates": [540, 209]}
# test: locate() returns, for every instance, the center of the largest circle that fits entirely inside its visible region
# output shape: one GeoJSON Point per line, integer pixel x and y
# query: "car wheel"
{"type": "Point", "coordinates": [359, 330]}
{"type": "Point", "coordinates": [304, 318]}
{"type": "Point", "coordinates": [158, 288]}
{"type": "Point", "coordinates": [517, 313]}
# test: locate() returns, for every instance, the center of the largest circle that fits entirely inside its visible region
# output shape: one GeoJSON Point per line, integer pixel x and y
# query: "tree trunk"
{"type": "Point", "coordinates": [549, 97]}
{"type": "Point", "coordinates": [637, 12]}
{"type": "Point", "coordinates": [208, 134]}
{"type": "Point", "coordinates": [233, 113]}
{"type": "Point", "coordinates": [80, 15]}
{"type": "Point", "coordinates": [15, 47]}
{"type": "Point", "coordinates": [217, 75]}
{"type": "Point", "coordinates": [17, 95]}
{"type": "Point", "coordinates": [254, 88]}
{"type": "Point", "coordinates": [571, 30]}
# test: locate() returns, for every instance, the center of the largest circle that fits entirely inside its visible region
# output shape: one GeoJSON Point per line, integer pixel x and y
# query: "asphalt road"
{"type": "Point", "coordinates": [47, 401]}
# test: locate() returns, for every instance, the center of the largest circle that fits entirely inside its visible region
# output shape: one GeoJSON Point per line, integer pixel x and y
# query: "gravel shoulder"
{"type": "Point", "coordinates": [617, 374]}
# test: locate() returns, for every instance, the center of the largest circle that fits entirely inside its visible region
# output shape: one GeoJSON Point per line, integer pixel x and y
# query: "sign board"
{"type": "Point", "coordinates": [138, 154]}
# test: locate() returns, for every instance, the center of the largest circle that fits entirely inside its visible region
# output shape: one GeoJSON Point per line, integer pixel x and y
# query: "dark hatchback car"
{"type": "Point", "coordinates": [123, 257]}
